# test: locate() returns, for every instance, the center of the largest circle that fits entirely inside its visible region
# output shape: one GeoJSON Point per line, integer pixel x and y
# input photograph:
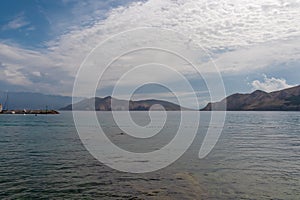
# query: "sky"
{"type": "Point", "coordinates": [255, 44]}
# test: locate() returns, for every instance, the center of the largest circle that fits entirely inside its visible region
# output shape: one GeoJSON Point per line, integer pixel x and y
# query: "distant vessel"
{"type": "Point", "coordinates": [1, 108]}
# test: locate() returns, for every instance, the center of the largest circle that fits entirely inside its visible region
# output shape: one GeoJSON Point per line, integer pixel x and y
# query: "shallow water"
{"type": "Point", "coordinates": [256, 157]}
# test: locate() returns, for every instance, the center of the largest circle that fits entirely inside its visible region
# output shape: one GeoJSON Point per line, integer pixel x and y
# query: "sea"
{"type": "Point", "coordinates": [256, 157]}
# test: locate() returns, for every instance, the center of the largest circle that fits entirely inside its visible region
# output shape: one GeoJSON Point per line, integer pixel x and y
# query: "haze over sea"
{"type": "Point", "coordinates": [257, 157]}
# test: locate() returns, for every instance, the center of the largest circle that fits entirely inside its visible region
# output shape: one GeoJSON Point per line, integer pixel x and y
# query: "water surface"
{"type": "Point", "coordinates": [257, 157]}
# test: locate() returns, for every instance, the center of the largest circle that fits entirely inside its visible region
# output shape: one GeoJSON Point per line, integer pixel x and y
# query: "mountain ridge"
{"type": "Point", "coordinates": [282, 100]}
{"type": "Point", "coordinates": [104, 104]}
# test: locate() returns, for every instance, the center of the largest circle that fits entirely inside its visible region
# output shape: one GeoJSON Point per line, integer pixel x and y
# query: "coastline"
{"type": "Point", "coordinates": [30, 112]}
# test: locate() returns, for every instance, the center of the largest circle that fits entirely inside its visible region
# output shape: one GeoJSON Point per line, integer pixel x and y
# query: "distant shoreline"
{"type": "Point", "coordinates": [29, 112]}
{"type": "Point", "coordinates": [131, 110]}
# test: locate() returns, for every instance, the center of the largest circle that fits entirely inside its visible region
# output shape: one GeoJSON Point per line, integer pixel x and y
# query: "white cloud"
{"type": "Point", "coordinates": [214, 24]}
{"type": "Point", "coordinates": [210, 24]}
{"type": "Point", "coordinates": [21, 65]}
{"type": "Point", "coordinates": [251, 58]}
{"type": "Point", "coordinates": [258, 33]}
{"type": "Point", "coordinates": [18, 22]}
{"type": "Point", "coordinates": [270, 84]}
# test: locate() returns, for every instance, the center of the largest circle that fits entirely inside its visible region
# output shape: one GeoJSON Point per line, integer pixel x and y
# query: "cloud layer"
{"type": "Point", "coordinates": [241, 36]}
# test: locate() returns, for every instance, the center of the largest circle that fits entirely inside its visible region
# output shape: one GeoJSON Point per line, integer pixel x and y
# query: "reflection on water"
{"type": "Point", "coordinates": [257, 157]}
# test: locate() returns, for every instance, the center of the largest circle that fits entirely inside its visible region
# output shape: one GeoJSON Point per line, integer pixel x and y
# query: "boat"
{"type": "Point", "coordinates": [4, 110]}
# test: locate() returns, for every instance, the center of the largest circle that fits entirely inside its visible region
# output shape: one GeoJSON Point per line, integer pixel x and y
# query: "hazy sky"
{"type": "Point", "coordinates": [254, 43]}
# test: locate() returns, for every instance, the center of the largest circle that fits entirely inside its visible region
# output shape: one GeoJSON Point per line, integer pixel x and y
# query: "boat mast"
{"type": "Point", "coordinates": [5, 107]}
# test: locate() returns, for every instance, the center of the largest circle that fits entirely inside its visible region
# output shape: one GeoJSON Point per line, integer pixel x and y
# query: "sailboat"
{"type": "Point", "coordinates": [5, 106]}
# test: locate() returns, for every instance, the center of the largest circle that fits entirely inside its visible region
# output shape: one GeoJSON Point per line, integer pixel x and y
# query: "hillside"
{"type": "Point", "coordinates": [104, 104]}
{"type": "Point", "coordinates": [283, 100]}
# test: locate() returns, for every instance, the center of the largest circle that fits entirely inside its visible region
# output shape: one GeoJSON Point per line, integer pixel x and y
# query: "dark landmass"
{"type": "Point", "coordinates": [32, 112]}
{"type": "Point", "coordinates": [104, 104]}
{"type": "Point", "coordinates": [283, 100]}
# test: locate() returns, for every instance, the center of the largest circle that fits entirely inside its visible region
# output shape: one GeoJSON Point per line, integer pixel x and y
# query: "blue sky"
{"type": "Point", "coordinates": [255, 44]}
{"type": "Point", "coordinates": [31, 23]}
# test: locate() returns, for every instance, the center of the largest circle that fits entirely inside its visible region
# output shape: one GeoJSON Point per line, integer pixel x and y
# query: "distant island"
{"type": "Point", "coordinates": [283, 100]}
{"type": "Point", "coordinates": [104, 104]}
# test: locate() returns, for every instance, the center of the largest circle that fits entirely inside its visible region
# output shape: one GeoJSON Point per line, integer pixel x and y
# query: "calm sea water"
{"type": "Point", "coordinates": [257, 157]}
